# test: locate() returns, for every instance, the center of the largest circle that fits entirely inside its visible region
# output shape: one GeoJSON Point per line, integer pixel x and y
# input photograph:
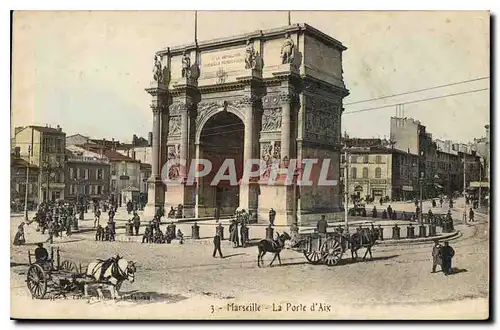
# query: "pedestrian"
{"type": "Point", "coordinates": [272, 216]}
{"type": "Point", "coordinates": [19, 239]}
{"type": "Point", "coordinates": [216, 214]}
{"type": "Point", "coordinates": [389, 211]}
{"type": "Point", "coordinates": [97, 216]}
{"type": "Point", "coordinates": [137, 223]}
{"type": "Point", "coordinates": [441, 202]}
{"type": "Point", "coordinates": [381, 201]}
{"type": "Point", "coordinates": [217, 246]}
{"type": "Point", "coordinates": [322, 225]}
{"type": "Point", "coordinates": [447, 254]}
{"type": "Point", "coordinates": [471, 214]}
{"type": "Point", "coordinates": [436, 256]}
{"type": "Point", "coordinates": [233, 233]}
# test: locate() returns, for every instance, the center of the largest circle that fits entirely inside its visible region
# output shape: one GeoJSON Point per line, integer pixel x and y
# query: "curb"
{"type": "Point", "coordinates": [414, 241]}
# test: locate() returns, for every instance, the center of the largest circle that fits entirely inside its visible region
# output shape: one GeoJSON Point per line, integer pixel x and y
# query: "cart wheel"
{"type": "Point", "coordinates": [69, 266]}
{"type": "Point", "coordinates": [331, 251]}
{"type": "Point", "coordinates": [314, 257]}
{"type": "Point", "coordinates": [37, 281]}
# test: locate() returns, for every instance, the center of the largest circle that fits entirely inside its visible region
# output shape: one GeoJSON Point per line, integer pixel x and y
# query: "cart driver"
{"type": "Point", "coordinates": [41, 254]}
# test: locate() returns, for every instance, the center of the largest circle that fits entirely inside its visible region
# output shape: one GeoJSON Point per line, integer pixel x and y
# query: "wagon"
{"type": "Point", "coordinates": [52, 276]}
{"type": "Point", "coordinates": [326, 248]}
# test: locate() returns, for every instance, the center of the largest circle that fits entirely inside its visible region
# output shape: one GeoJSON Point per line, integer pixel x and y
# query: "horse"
{"type": "Point", "coordinates": [274, 246]}
{"type": "Point", "coordinates": [112, 272]}
{"type": "Point", "coordinates": [364, 238]}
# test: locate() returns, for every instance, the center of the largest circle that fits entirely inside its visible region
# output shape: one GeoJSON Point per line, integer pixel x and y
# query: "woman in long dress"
{"type": "Point", "coordinates": [19, 239]}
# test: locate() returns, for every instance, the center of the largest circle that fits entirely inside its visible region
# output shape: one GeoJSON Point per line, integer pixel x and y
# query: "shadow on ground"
{"type": "Point", "coordinates": [457, 271]}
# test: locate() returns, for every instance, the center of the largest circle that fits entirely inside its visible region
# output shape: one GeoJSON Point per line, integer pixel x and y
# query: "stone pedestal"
{"type": "Point", "coordinates": [280, 198]}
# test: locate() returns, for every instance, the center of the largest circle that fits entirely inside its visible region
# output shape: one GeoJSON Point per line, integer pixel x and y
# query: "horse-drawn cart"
{"type": "Point", "coordinates": [50, 275]}
{"type": "Point", "coordinates": [329, 247]}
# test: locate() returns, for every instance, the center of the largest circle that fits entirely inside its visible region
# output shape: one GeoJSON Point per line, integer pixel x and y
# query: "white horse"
{"type": "Point", "coordinates": [111, 273]}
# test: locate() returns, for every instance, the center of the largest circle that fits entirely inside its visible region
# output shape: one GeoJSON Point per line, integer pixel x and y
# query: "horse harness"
{"type": "Point", "coordinates": [116, 272]}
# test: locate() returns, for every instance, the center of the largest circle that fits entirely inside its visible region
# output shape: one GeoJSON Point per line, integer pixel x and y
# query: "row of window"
{"type": "Point", "coordinates": [31, 187]}
{"type": "Point", "coordinates": [86, 190]}
{"type": "Point", "coordinates": [365, 159]}
{"type": "Point", "coordinates": [123, 169]}
{"type": "Point", "coordinates": [354, 173]}
{"type": "Point", "coordinates": [84, 173]}
{"type": "Point", "coordinates": [53, 144]}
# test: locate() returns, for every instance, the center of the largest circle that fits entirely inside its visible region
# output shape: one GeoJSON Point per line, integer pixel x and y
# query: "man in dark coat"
{"type": "Point", "coordinates": [447, 254]}
{"type": "Point", "coordinates": [41, 254]}
{"type": "Point", "coordinates": [217, 246]}
{"type": "Point", "coordinates": [137, 223]}
{"type": "Point", "coordinates": [471, 214]}
{"type": "Point", "coordinates": [322, 225]}
{"type": "Point", "coordinates": [272, 216]}
{"type": "Point", "coordinates": [389, 211]}
{"type": "Point", "coordinates": [436, 256]}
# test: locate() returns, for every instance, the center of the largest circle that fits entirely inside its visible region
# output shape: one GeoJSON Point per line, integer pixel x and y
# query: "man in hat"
{"type": "Point", "coordinates": [272, 216]}
{"type": "Point", "coordinates": [322, 225]}
{"type": "Point", "coordinates": [41, 254]}
{"type": "Point", "coordinates": [137, 223]}
{"type": "Point", "coordinates": [436, 256]}
{"type": "Point", "coordinates": [217, 240]}
{"type": "Point", "coordinates": [447, 254]}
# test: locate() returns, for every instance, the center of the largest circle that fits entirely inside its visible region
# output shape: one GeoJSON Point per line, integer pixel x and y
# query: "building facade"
{"type": "Point", "coordinates": [124, 171]}
{"type": "Point", "coordinates": [18, 173]}
{"type": "Point", "coordinates": [378, 171]}
{"type": "Point", "coordinates": [44, 147]}
{"type": "Point", "coordinates": [87, 176]}
{"type": "Point", "coordinates": [273, 95]}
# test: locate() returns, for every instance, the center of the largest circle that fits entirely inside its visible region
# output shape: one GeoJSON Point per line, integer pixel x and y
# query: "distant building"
{"type": "Point", "coordinates": [18, 172]}
{"type": "Point", "coordinates": [405, 132]}
{"type": "Point", "coordinates": [140, 149]}
{"type": "Point", "coordinates": [124, 171]}
{"type": "Point", "coordinates": [87, 175]}
{"type": "Point", "coordinates": [145, 175]}
{"type": "Point", "coordinates": [376, 170]}
{"type": "Point", "coordinates": [77, 139]}
{"type": "Point", "coordinates": [47, 153]}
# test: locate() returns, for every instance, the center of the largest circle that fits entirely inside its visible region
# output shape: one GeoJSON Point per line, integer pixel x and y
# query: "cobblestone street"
{"type": "Point", "coordinates": [184, 280]}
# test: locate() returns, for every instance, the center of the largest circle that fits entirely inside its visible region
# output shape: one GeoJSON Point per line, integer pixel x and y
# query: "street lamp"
{"type": "Point", "coordinates": [421, 204]}
{"type": "Point", "coordinates": [27, 184]}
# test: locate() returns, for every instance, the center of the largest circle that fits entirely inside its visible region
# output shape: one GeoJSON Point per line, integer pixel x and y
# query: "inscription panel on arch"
{"type": "Point", "coordinates": [228, 60]}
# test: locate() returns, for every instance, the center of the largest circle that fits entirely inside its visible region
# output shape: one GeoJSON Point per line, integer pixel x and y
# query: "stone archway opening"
{"type": "Point", "coordinates": [222, 138]}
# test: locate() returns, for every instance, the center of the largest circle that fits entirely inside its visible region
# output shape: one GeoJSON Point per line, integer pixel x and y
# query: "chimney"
{"type": "Point", "coordinates": [150, 139]}
{"type": "Point", "coordinates": [134, 138]}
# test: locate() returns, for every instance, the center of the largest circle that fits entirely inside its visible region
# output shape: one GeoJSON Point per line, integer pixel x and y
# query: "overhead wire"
{"type": "Point", "coordinates": [417, 91]}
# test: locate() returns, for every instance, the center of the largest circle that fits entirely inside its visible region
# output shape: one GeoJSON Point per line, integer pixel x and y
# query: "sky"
{"type": "Point", "coordinates": [87, 71]}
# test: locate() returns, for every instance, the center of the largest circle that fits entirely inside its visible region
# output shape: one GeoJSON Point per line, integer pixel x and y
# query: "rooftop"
{"type": "Point", "coordinates": [43, 129]}
{"type": "Point", "coordinates": [111, 155]}
{"type": "Point", "coordinates": [259, 34]}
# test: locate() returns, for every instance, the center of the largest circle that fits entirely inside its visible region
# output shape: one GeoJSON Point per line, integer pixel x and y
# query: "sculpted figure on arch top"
{"type": "Point", "coordinates": [287, 50]}
{"type": "Point", "coordinates": [186, 65]}
{"type": "Point", "coordinates": [158, 70]}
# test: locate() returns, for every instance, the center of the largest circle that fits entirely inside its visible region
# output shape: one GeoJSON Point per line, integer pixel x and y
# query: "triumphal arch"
{"type": "Point", "coordinates": [272, 95]}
